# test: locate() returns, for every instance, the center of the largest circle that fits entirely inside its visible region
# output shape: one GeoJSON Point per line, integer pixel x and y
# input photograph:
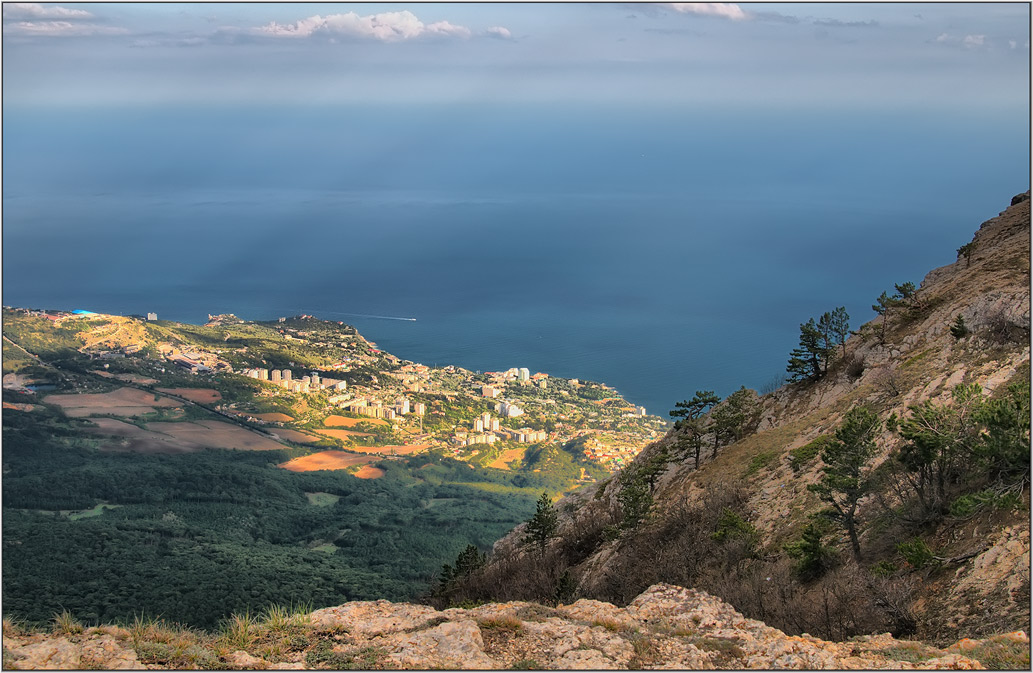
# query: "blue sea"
{"type": "Point", "coordinates": [659, 251]}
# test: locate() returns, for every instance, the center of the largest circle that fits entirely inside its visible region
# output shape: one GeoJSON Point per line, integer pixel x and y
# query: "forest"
{"type": "Point", "coordinates": [196, 537]}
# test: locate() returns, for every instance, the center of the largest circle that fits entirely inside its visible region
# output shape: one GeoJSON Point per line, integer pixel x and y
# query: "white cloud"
{"type": "Point", "coordinates": [1012, 44]}
{"type": "Point", "coordinates": [968, 42]}
{"type": "Point", "coordinates": [727, 10]}
{"type": "Point", "coordinates": [446, 28]}
{"type": "Point", "coordinates": [60, 29]}
{"type": "Point", "coordinates": [386, 27]}
{"type": "Point", "coordinates": [32, 10]}
{"type": "Point", "coordinates": [500, 32]}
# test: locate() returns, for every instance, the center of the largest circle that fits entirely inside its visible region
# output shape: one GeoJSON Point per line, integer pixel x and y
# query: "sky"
{"type": "Point", "coordinates": [965, 56]}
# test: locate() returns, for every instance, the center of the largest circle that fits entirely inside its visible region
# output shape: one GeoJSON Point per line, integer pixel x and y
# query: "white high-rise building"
{"type": "Point", "coordinates": [276, 375]}
{"type": "Point", "coordinates": [420, 408]}
{"type": "Point", "coordinates": [286, 375]}
{"type": "Point", "coordinates": [403, 406]}
{"type": "Point", "coordinates": [314, 380]}
{"type": "Point", "coordinates": [478, 425]}
{"type": "Point", "coordinates": [523, 374]}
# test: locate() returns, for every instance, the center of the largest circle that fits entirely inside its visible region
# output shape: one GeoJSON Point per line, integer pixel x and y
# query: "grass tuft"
{"type": "Point", "coordinates": [501, 623]}
{"type": "Point", "coordinates": [66, 624]}
{"type": "Point", "coordinates": [240, 631]}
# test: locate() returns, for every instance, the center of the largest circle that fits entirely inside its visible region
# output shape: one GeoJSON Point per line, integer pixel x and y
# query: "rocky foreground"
{"type": "Point", "coordinates": [665, 627]}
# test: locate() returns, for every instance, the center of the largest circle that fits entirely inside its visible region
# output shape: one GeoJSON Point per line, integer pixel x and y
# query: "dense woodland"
{"type": "Point", "coordinates": [196, 537]}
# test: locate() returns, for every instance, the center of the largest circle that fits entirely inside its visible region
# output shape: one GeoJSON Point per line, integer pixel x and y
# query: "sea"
{"type": "Point", "coordinates": [660, 251]}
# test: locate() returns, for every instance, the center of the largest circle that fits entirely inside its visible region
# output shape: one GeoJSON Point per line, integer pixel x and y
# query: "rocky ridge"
{"type": "Point", "coordinates": [666, 627]}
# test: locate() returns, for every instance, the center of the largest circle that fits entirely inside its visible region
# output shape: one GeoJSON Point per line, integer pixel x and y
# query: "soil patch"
{"type": "Point", "coordinates": [121, 402]}
{"type": "Point", "coordinates": [19, 406]}
{"type": "Point", "coordinates": [343, 421]}
{"type": "Point", "coordinates": [369, 472]}
{"type": "Point", "coordinates": [325, 460]}
{"type": "Point", "coordinates": [217, 435]}
{"type": "Point", "coordinates": [296, 436]}
{"type": "Point", "coordinates": [274, 416]}
{"type": "Point", "coordinates": [507, 456]}
{"type": "Point", "coordinates": [127, 437]}
{"type": "Point", "coordinates": [202, 395]}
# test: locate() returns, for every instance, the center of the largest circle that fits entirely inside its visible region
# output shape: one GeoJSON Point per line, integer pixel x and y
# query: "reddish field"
{"type": "Point", "coordinates": [201, 395]}
{"type": "Point", "coordinates": [342, 421]}
{"type": "Point", "coordinates": [275, 416]}
{"type": "Point", "coordinates": [369, 472]}
{"type": "Point", "coordinates": [325, 460]}
{"type": "Point", "coordinates": [19, 406]}
{"type": "Point", "coordinates": [121, 402]}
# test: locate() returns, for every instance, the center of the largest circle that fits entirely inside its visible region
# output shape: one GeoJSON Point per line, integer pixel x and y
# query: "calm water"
{"type": "Point", "coordinates": [659, 252]}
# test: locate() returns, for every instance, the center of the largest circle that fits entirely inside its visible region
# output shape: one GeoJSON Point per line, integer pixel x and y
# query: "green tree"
{"type": "Point", "coordinates": [692, 420]}
{"type": "Point", "coordinates": [1004, 446]}
{"type": "Point", "coordinates": [810, 360]}
{"type": "Point", "coordinates": [813, 556]}
{"type": "Point", "coordinates": [959, 330]}
{"type": "Point", "coordinates": [469, 560]}
{"type": "Point", "coordinates": [736, 417]}
{"type": "Point", "coordinates": [840, 322]}
{"type": "Point", "coordinates": [542, 526]}
{"type": "Point", "coordinates": [846, 475]}
{"type": "Point", "coordinates": [883, 305]}
{"type": "Point", "coordinates": [939, 442]}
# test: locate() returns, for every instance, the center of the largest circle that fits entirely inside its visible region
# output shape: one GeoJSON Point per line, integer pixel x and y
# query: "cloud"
{"type": "Point", "coordinates": [385, 27]}
{"type": "Point", "coordinates": [1012, 44]}
{"type": "Point", "coordinates": [60, 29]}
{"type": "Point", "coordinates": [968, 41]}
{"type": "Point", "coordinates": [499, 32]}
{"type": "Point", "coordinates": [727, 10]}
{"type": "Point", "coordinates": [32, 10]}
{"type": "Point", "coordinates": [846, 24]}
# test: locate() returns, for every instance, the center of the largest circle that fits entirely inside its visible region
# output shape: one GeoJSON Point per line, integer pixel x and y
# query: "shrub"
{"type": "Point", "coordinates": [66, 624]}
{"type": "Point", "coordinates": [917, 553]}
{"type": "Point", "coordinates": [959, 330]}
{"type": "Point", "coordinates": [800, 456]}
{"type": "Point", "coordinates": [761, 460]}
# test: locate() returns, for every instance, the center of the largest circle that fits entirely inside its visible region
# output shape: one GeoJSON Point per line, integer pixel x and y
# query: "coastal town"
{"type": "Point", "coordinates": [321, 384]}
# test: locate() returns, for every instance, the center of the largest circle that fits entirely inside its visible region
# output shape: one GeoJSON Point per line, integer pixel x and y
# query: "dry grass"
{"type": "Point", "coordinates": [66, 624]}
{"type": "Point", "coordinates": [501, 623]}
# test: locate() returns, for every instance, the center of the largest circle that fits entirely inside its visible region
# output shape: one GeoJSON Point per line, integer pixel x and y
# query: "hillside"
{"type": "Point", "coordinates": [942, 523]}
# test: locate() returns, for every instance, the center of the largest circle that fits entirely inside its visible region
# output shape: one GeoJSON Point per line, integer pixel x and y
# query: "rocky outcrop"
{"type": "Point", "coordinates": [666, 627]}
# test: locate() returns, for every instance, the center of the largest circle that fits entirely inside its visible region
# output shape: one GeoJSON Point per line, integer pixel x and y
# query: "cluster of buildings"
{"type": "Point", "coordinates": [284, 379]}
{"type": "Point", "coordinates": [375, 408]}
{"type": "Point", "coordinates": [486, 430]}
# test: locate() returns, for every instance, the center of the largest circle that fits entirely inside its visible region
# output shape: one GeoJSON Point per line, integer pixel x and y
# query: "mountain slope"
{"type": "Point", "coordinates": [724, 527]}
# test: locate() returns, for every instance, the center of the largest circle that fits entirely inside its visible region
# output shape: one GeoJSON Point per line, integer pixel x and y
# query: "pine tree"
{"type": "Point", "coordinates": [542, 526]}
{"type": "Point", "coordinates": [692, 421]}
{"type": "Point", "coordinates": [845, 476]}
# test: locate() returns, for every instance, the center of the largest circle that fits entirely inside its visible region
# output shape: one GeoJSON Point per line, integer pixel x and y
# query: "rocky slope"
{"type": "Point", "coordinates": [983, 587]}
{"type": "Point", "coordinates": [665, 627]}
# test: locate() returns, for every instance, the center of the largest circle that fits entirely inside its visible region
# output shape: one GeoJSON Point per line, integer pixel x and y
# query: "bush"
{"type": "Point", "coordinates": [917, 553]}
{"type": "Point", "coordinates": [801, 456]}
